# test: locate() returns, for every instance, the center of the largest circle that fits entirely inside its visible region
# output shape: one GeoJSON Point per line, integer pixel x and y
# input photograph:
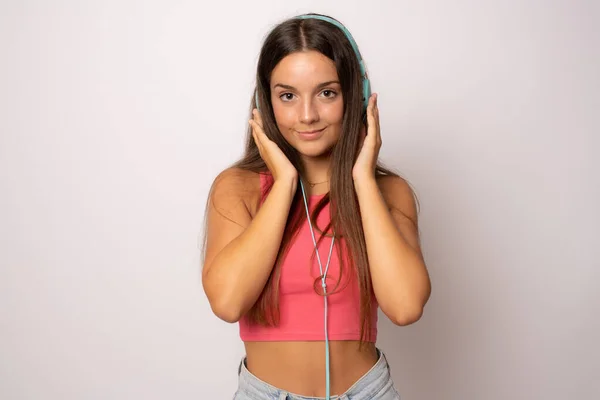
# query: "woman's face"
{"type": "Point", "coordinates": [307, 102]}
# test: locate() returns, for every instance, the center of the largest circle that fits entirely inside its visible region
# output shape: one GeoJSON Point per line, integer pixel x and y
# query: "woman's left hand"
{"type": "Point", "coordinates": [364, 167]}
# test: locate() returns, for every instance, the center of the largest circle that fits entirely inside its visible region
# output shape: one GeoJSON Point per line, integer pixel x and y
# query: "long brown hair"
{"type": "Point", "coordinates": [296, 35]}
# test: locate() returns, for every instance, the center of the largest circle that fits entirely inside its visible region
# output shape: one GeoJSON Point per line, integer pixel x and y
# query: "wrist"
{"type": "Point", "coordinates": [364, 185]}
{"type": "Point", "coordinates": [287, 185]}
{"type": "Point", "coordinates": [364, 180]}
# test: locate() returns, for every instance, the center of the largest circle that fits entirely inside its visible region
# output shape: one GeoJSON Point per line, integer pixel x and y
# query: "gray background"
{"type": "Point", "coordinates": [115, 116]}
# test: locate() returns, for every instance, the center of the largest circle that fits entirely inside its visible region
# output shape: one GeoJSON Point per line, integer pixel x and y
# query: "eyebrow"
{"type": "Point", "coordinates": [320, 85]}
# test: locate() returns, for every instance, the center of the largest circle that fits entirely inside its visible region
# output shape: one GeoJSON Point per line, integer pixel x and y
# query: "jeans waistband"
{"type": "Point", "coordinates": [366, 387]}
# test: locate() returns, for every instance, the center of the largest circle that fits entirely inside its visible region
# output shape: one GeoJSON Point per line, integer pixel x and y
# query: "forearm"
{"type": "Point", "coordinates": [238, 274]}
{"type": "Point", "coordinates": [398, 273]}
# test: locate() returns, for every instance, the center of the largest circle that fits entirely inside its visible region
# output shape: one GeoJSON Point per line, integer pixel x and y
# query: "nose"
{"type": "Point", "coordinates": [308, 113]}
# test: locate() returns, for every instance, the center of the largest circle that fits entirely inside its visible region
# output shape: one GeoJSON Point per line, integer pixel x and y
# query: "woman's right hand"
{"type": "Point", "coordinates": [280, 166]}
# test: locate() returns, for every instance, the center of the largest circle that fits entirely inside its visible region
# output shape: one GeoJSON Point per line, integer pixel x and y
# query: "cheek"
{"type": "Point", "coordinates": [333, 114]}
{"type": "Point", "coordinates": [284, 116]}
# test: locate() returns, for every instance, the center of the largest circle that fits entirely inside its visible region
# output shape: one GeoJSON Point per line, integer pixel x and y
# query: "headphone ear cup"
{"type": "Point", "coordinates": [366, 93]}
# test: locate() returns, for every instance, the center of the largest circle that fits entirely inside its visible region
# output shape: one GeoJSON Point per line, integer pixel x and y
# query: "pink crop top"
{"type": "Point", "coordinates": [301, 308]}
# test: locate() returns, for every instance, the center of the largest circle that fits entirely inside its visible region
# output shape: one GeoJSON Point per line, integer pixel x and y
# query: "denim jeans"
{"type": "Point", "coordinates": [376, 384]}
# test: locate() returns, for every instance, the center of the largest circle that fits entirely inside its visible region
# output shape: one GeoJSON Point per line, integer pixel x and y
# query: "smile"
{"type": "Point", "coordinates": [310, 135]}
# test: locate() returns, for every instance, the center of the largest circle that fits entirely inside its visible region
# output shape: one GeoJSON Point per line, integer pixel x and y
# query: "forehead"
{"type": "Point", "coordinates": [304, 69]}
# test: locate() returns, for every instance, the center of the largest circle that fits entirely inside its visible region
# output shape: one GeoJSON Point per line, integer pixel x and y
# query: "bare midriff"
{"type": "Point", "coordinates": [299, 367]}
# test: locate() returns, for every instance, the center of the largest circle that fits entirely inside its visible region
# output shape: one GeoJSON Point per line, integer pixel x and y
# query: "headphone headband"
{"type": "Point", "coordinates": [366, 84]}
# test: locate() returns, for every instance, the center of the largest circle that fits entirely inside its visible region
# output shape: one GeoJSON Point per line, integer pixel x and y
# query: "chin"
{"type": "Point", "coordinates": [314, 150]}
{"type": "Point", "coordinates": [318, 148]}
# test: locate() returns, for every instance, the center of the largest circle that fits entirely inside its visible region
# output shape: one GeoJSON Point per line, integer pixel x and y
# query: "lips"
{"type": "Point", "coordinates": [310, 135]}
{"type": "Point", "coordinates": [310, 132]}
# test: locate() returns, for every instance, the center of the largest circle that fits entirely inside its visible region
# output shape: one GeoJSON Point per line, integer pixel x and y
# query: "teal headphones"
{"type": "Point", "coordinates": [366, 84]}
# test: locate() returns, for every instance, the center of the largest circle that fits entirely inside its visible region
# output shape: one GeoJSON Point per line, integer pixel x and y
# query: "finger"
{"type": "Point", "coordinates": [371, 121]}
{"type": "Point", "coordinates": [368, 111]}
{"type": "Point", "coordinates": [373, 103]}
{"type": "Point", "coordinates": [255, 135]}
{"type": "Point", "coordinates": [376, 118]}
{"type": "Point", "coordinates": [258, 117]}
{"type": "Point", "coordinates": [257, 126]}
{"type": "Point", "coordinates": [256, 131]}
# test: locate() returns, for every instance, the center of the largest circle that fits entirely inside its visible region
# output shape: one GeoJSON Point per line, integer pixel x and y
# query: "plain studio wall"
{"type": "Point", "coordinates": [115, 116]}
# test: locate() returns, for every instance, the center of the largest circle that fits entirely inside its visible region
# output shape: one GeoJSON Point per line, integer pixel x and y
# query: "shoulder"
{"type": "Point", "coordinates": [235, 187]}
{"type": "Point", "coordinates": [394, 185]}
{"type": "Point", "coordinates": [234, 177]}
{"type": "Point", "coordinates": [399, 195]}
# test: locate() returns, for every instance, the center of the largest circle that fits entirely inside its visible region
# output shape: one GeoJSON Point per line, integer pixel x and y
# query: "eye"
{"type": "Point", "coordinates": [286, 96]}
{"type": "Point", "coordinates": [327, 93]}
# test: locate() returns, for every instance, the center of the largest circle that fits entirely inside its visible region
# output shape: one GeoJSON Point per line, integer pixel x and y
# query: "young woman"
{"type": "Point", "coordinates": [307, 235]}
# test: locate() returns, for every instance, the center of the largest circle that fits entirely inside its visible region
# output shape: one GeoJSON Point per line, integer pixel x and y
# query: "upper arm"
{"type": "Point", "coordinates": [402, 204]}
{"type": "Point", "coordinates": [228, 210]}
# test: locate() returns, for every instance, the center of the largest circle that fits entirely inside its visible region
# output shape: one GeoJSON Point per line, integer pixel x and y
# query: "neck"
{"type": "Point", "coordinates": [316, 175]}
